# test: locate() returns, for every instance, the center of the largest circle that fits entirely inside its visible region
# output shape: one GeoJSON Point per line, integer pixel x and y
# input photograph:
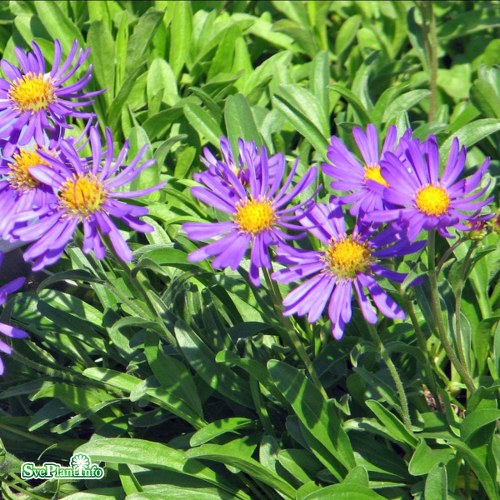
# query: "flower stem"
{"type": "Point", "coordinates": [422, 344]}
{"type": "Point", "coordinates": [139, 289]}
{"type": "Point", "coordinates": [405, 412]}
{"type": "Point", "coordinates": [438, 317]}
{"type": "Point", "coordinates": [291, 337]}
{"type": "Point", "coordinates": [458, 294]}
{"type": "Point", "coordinates": [447, 253]}
{"type": "Point", "coordinates": [430, 47]}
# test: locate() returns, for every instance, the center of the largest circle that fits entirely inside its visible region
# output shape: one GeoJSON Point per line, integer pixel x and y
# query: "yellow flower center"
{"type": "Point", "coordinates": [253, 216]}
{"type": "Point", "coordinates": [432, 200]}
{"type": "Point", "coordinates": [82, 195]}
{"type": "Point", "coordinates": [32, 92]}
{"type": "Point", "coordinates": [347, 257]}
{"type": "Point", "coordinates": [19, 176]}
{"type": "Point", "coordinates": [372, 173]}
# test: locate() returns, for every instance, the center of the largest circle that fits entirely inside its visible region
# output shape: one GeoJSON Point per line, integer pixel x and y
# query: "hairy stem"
{"type": "Point", "coordinates": [422, 345]}
{"type": "Point", "coordinates": [458, 294]}
{"type": "Point", "coordinates": [291, 337]}
{"type": "Point", "coordinates": [438, 317]}
{"type": "Point", "coordinates": [430, 47]}
{"type": "Point", "coordinates": [403, 401]}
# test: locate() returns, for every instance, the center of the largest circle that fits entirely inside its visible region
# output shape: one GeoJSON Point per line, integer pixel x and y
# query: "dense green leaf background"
{"type": "Point", "coordinates": [197, 397]}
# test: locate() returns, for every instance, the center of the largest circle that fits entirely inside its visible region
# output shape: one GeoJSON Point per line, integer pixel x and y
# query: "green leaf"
{"type": "Point", "coordinates": [306, 114]}
{"type": "Point", "coordinates": [129, 482]}
{"type": "Point", "coordinates": [161, 79]}
{"type": "Point", "coordinates": [115, 110]}
{"type": "Point", "coordinates": [471, 133]}
{"type": "Point", "coordinates": [220, 427]}
{"type": "Point", "coordinates": [320, 79]}
{"type": "Point", "coordinates": [240, 123]}
{"type": "Point", "coordinates": [393, 425]}
{"type": "Point", "coordinates": [172, 374]}
{"type": "Point", "coordinates": [354, 101]}
{"type": "Point", "coordinates": [230, 455]}
{"type": "Point", "coordinates": [485, 97]}
{"type": "Point", "coordinates": [223, 59]}
{"type": "Point", "coordinates": [482, 473]}
{"type": "Point", "coordinates": [203, 123]}
{"type": "Point", "coordinates": [180, 35]}
{"type": "Point", "coordinates": [347, 34]}
{"type": "Point", "coordinates": [79, 399]}
{"type": "Point", "coordinates": [166, 491]}
{"type": "Point", "coordinates": [59, 25]}
{"type": "Point", "coordinates": [163, 397]}
{"type": "Point", "coordinates": [141, 38]}
{"type": "Point", "coordinates": [115, 379]}
{"type": "Point", "coordinates": [477, 419]}
{"type": "Point", "coordinates": [469, 22]}
{"type": "Point", "coordinates": [153, 455]}
{"type": "Point", "coordinates": [202, 359]}
{"type": "Point", "coordinates": [358, 475]}
{"type": "Point", "coordinates": [344, 491]}
{"type": "Point", "coordinates": [319, 418]}
{"type": "Point", "coordinates": [255, 368]}
{"type": "Point", "coordinates": [404, 102]}
{"type": "Point", "coordinates": [54, 409]}
{"type": "Point", "coordinates": [425, 458]}
{"type": "Point", "coordinates": [100, 39]}
{"type": "Point", "coordinates": [436, 484]}
{"type": "Point", "coordinates": [300, 463]}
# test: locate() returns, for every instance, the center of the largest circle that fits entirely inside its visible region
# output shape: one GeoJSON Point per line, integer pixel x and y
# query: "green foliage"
{"type": "Point", "coordinates": [174, 375]}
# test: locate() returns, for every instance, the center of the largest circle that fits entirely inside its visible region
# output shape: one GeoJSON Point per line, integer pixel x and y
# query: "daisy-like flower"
{"type": "Point", "coordinates": [424, 200]}
{"type": "Point", "coordinates": [259, 212]}
{"type": "Point", "coordinates": [346, 263]}
{"type": "Point", "coordinates": [33, 101]}
{"type": "Point", "coordinates": [248, 153]}
{"type": "Point", "coordinates": [86, 192]}
{"type": "Point", "coordinates": [364, 180]}
{"type": "Point", "coordinates": [19, 190]}
{"type": "Point", "coordinates": [8, 330]}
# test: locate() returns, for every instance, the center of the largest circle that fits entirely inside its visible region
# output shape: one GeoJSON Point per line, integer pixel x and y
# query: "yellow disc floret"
{"type": "Point", "coordinates": [432, 200]}
{"type": "Point", "coordinates": [32, 92]}
{"type": "Point", "coordinates": [254, 216]}
{"type": "Point", "coordinates": [373, 173]}
{"type": "Point", "coordinates": [346, 257]}
{"type": "Point", "coordinates": [82, 195]}
{"type": "Point", "coordinates": [19, 176]}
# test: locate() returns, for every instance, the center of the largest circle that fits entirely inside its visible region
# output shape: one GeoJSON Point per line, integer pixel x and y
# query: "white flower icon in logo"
{"type": "Point", "coordinates": [80, 461]}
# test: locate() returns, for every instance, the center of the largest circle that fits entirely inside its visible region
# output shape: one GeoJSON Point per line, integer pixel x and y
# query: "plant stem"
{"type": "Point", "coordinates": [438, 317]}
{"type": "Point", "coordinates": [430, 47]}
{"type": "Point", "coordinates": [139, 289]}
{"type": "Point", "coordinates": [290, 334]}
{"type": "Point", "coordinates": [405, 412]}
{"type": "Point", "coordinates": [447, 253]}
{"type": "Point", "coordinates": [422, 344]}
{"type": "Point", "coordinates": [458, 293]}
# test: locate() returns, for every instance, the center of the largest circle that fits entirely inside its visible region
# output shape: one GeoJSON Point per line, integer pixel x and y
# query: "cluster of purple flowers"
{"type": "Point", "coordinates": [48, 187]}
{"type": "Point", "coordinates": [400, 185]}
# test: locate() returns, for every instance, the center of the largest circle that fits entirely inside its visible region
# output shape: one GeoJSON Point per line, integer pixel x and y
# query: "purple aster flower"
{"type": "Point", "coordinates": [364, 180]}
{"type": "Point", "coordinates": [346, 263]}
{"type": "Point", "coordinates": [88, 193]}
{"type": "Point", "coordinates": [248, 153]}
{"type": "Point", "coordinates": [424, 200]}
{"type": "Point", "coordinates": [8, 330]}
{"type": "Point", "coordinates": [19, 190]}
{"type": "Point", "coordinates": [33, 100]}
{"type": "Point", "coordinates": [260, 212]}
